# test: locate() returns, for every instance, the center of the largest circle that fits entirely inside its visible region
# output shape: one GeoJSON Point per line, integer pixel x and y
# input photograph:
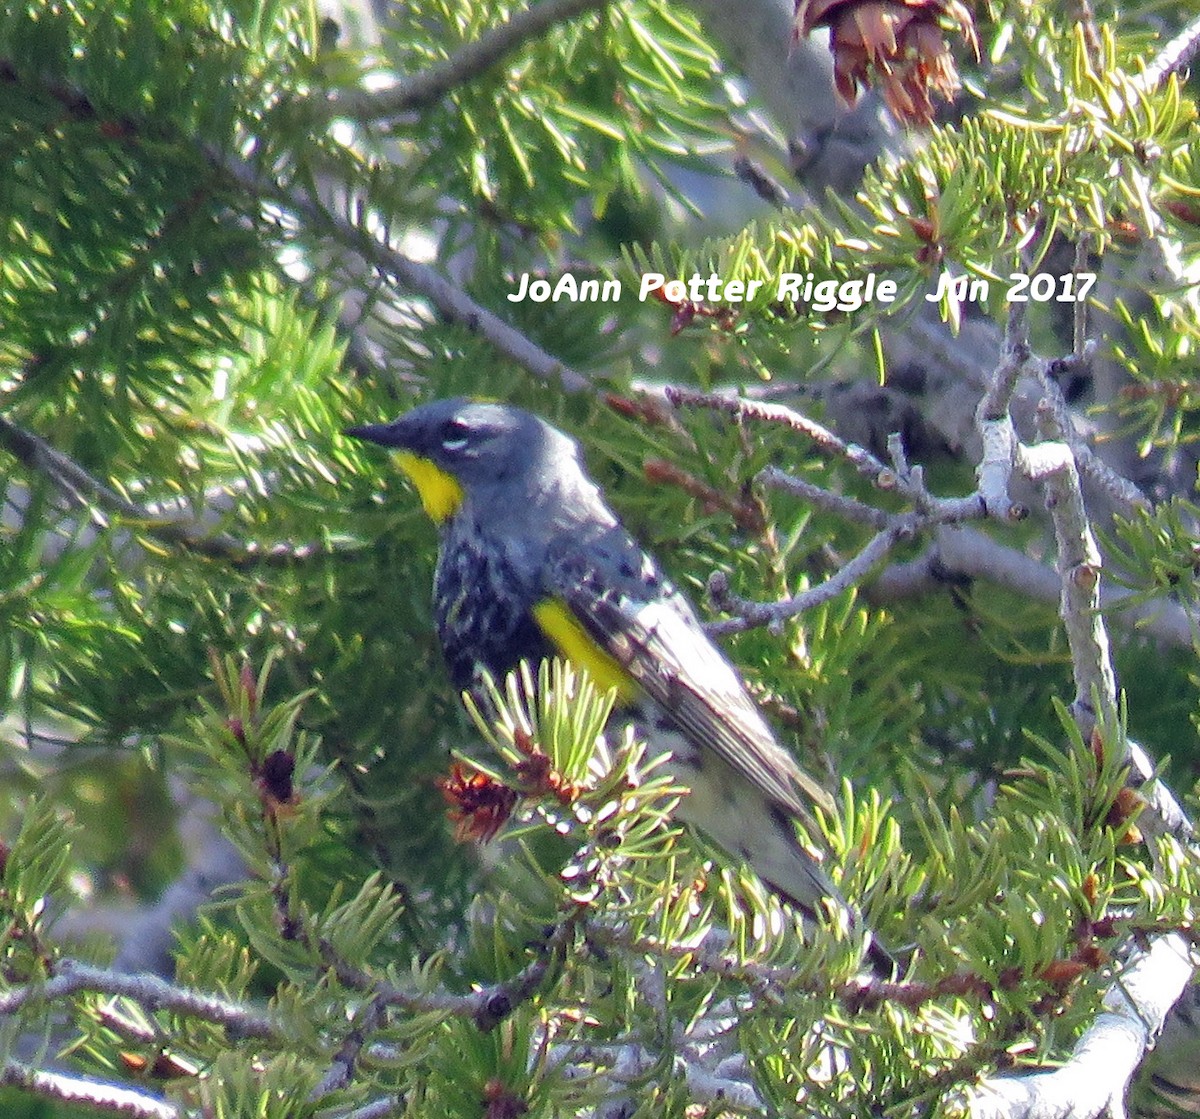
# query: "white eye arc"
{"type": "Point", "coordinates": [455, 435]}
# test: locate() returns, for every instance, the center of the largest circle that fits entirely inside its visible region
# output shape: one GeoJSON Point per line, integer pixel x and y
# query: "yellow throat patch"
{"type": "Point", "coordinates": [570, 638]}
{"type": "Point", "coordinates": [440, 492]}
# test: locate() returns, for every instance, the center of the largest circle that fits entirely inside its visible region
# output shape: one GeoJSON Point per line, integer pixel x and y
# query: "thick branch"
{"type": "Point", "coordinates": [87, 1092]}
{"type": "Point", "coordinates": [1053, 465]}
{"type": "Point", "coordinates": [1173, 57]}
{"type": "Point", "coordinates": [959, 552]}
{"type": "Point", "coordinates": [1093, 1081]}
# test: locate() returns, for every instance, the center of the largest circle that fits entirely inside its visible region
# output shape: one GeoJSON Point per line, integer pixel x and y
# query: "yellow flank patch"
{"type": "Point", "coordinates": [440, 492]}
{"type": "Point", "coordinates": [574, 643]}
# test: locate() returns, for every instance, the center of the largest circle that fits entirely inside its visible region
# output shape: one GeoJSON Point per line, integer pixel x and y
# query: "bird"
{"type": "Point", "coordinates": [533, 564]}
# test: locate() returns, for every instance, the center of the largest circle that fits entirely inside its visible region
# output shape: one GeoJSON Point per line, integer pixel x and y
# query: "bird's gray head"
{"type": "Point", "coordinates": [460, 449]}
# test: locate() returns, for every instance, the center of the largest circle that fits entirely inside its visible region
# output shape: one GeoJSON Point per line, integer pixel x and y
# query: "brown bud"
{"type": "Point", "coordinates": [275, 781]}
{"type": "Point", "coordinates": [1183, 210]}
{"type": "Point", "coordinates": [479, 804]}
{"type": "Point", "coordinates": [501, 1102]}
{"type": "Point", "coordinates": [925, 230]}
{"type": "Point", "coordinates": [1125, 232]}
{"type": "Point", "coordinates": [1126, 804]}
{"type": "Point", "coordinates": [1105, 928]}
{"type": "Point", "coordinates": [1060, 973]}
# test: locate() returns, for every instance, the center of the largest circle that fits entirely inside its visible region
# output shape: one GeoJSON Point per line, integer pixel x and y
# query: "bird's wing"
{"type": "Point", "coordinates": [652, 632]}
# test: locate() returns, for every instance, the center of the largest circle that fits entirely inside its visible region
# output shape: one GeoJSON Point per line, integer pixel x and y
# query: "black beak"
{"type": "Point", "coordinates": [386, 435]}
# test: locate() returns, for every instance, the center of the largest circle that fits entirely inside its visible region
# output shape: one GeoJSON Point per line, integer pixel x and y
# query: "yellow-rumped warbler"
{"type": "Point", "coordinates": [534, 564]}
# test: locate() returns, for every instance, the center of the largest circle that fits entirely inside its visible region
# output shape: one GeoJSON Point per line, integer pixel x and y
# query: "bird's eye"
{"type": "Point", "coordinates": [454, 435]}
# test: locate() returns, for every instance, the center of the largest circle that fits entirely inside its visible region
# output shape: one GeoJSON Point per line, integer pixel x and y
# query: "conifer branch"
{"type": "Point", "coordinates": [85, 491]}
{"type": "Point", "coordinates": [648, 1045]}
{"type": "Point", "coordinates": [454, 304]}
{"type": "Point", "coordinates": [419, 90]}
{"type": "Point", "coordinates": [1052, 464]}
{"type": "Point", "coordinates": [383, 1108]}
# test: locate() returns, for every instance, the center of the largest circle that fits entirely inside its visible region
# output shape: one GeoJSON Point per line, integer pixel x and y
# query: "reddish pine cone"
{"type": "Point", "coordinates": [899, 44]}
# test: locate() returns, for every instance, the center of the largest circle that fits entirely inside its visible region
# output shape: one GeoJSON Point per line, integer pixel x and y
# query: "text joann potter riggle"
{"type": "Point", "coordinates": [801, 288]}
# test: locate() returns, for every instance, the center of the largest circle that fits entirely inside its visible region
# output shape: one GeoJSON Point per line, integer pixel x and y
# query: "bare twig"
{"type": "Point", "coordinates": [994, 422]}
{"type": "Point", "coordinates": [892, 527]}
{"type": "Point", "coordinates": [749, 614]}
{"type": "Point", "coordinates": [486, 1006]}
{"type": "Point", "coordinates": [826, 441]}
{"type": "Point", "coordinates": [848, 507]}
{"type": "Point", "coordinates": [1119, 489]}
{"type": "Point", "coordinates": [341, 1070]}
{"type": "Point", "coordinates": [995, 402]}
{"type": "Point", "coordinates": [384, 1108]}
